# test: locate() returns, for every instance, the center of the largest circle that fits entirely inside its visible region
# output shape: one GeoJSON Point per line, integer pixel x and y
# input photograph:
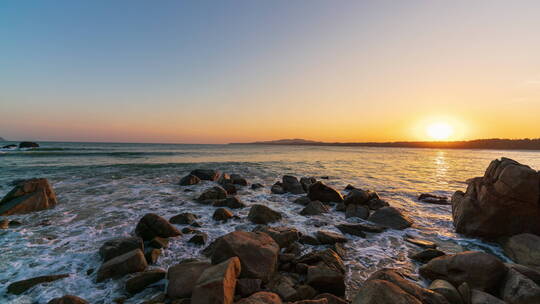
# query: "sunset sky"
{"type": "Point", "coordinates": [229, 71]}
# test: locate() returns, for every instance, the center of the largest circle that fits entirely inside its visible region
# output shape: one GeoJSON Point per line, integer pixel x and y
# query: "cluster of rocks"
{"type": "Point", "coordinates": [24, 144]}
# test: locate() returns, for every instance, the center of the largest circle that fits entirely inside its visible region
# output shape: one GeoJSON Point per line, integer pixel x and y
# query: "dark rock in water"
{"type": "Point", "coordinates": [433, 199]}
{"type": "Point", "coordinates": [133, 261]}
{"type": "Point", "coordinates": [9, 146]}
{"type": "Point", "coordinates": [307, 182]}
{"type": "Point", "coordinates": [214, 193]}
{"type": "Point", "coordinates": [292, 185]}
{"type": "Point", "coordinates": [183, 277]}
{"type": "Point", "coordinates": [28, 196]}
{"type": "Point", "coordinates": [118, 246]}
{"type": "Point", "coordinates": [331, 299]}
{"type": "Point", "coordinates": [141, 280]}
{"type": "Point", "coordinates": [350, 187]}
{"type": "Point", "coordinates": [189, 180]}
{"type": "Point", "coordinates": [421, 243]}
{"type": "Point", "coordinates": [357, 197]}
{"type": "Point", "coordinates": [309, 240]}
{"type": "Point", "coordinates": [152, 255]}
{"type": "Point", "coordinates": [28, 144]}
{"type": "Point", "coordinates": [391, 217]}
{"type": "Point", "coordinates": [261, 297]}
{"type": "Point", "coordinates": [199, 238]}
{"type": "Point", "coordinates": [20, 287]}
{"type": "Point", "coordinates": [232, 202]}
{"type": "Point", "coordinates": [479, 270]}
{"type": "Point", "coordinates": [517, 288]}
{"type": "Point", "coordinates": [314, 208]}
{"type": "Point", "coordinates": [427, 255]}
{"type": "Point", "coordinates": [326, 272]}
{"type": "Point", "coordinates": [479, 297]}
{"type": "Point", "coordinates": [260, 214]}
{"type": "Point", "coordinates": [352, 229]}
{"type": "Point", "coordinates": [303, 200]}
{"type": "Point", "coordinates": [206, 174]}
{"type": "Point", "coordinates": [222, 214]}
{"type": "Point", "coordinates": [217, 283]}
{"type": "Point", "coordinates": [358, 211]}
{"type": "Point", "coordinates": [531, 273]}
{"type": "Point", "coordinates": [277, 188]}
{"type": "Point", "coordinates": [258, 253]}
{"type": "Point", "coordinates": [68, 299]}
{"type": "Point", "coordinates": [503, 202]}
{"type": "Point", "coordinates": [247, 287]}
{"type": "Point", "coordinates": [256, 186]}
{"type": "Point", "coordinates": [284, 236]}
{"type": "Point", "coordinates": [330, 238]}
{"type": "Point", "coordinates": [377, 203]}
{"type": "Point", "coordinates": [339, 248]}
{"type": "Point", "coordinates": [447, 290]}
{"type": "Point", "coordinates": [230, 189]}
{"type": "Point", "coordinates": [237, 179]}
{"type": "Point", "coordinates": [523, 249]}
{"type": "Point", "coordinates": [4, 224]}
{"type": "Point", "coordinates": [14, 223]}
{"type": "Point", "coordinates": [341, 207]}
{"type": "Point", "coordinates": [189, 230]}
{"type": "Point", "coordinates": [321, 192]}
{"type": "Point", "coordinates": [152, 225]}
{"type": "Point", "coordinates": [159, 242]}
{"type": "Point", "coordinates": [185, 218]}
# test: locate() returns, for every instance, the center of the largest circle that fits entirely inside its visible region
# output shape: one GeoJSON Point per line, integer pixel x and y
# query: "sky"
{"type": "Point", "coordinates": [237, 71]}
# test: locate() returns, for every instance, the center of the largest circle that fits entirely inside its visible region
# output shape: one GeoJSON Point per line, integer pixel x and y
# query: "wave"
{"type": "Point", "coordinates": [58, 153]}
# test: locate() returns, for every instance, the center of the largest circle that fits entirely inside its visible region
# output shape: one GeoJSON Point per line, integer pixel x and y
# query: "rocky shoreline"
{"type": "Point", "coordinates": [278, 264]}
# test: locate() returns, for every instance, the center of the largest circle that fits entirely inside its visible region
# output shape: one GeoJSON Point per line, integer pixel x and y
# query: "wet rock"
{"type": "Point", "coordinates": [20, 287]}
{"type": "Point", "coordinates": [308, 239]}
{"type": "Point", "coordinates": [518, 289]}
{"type": "Point", "coordinates": [232, 202]}
{"type": "Point", "coordinates": [256, 186]}
{"type": "Point", "coordinates": [68, 299]}
{"type": "Point", "coordinates": [282, 285]}
{"type": "Point", "coordinates": [224, 179]}
{"type": "Point", "coordinates": [277, 188]}
{"type": "Point", "coordinates": [531, 273]}
{"type": "Point", "coordinates": [326, 271]}
{"type": "Point", "coordinates": [357, 197]}
{"type": "Point", "coordinates": [230, 189]}
{"type": "Point", "coordinates": [427, 255]}
{"type": "Point", "coordinates": [4, 224]}
{"type": "Point", "coordinates": [351, 229]}
{"type": "Point", "coordinates": [183, 277]}
{"type": "Point", "coordinates": [523, 249]}
{"type": "Point", "coordinates": [479, 270]}
{"type": "Point", "coordinates": [258, 253]}
{"type": "Point", "coordinates": [319, 301]}
{"type": "Point", "coordinates": [28, 144]}
{"type": "Point", "coordinates": [189, 230]}
{"type": "Point", "coordinates": [28, 196]}
{"type": "Point", "coordinates": [376, 204]}
{"type": "Point", "coordinates": [433, 199]}
{"type": "Point", "coordinates": [222, 214]}
{"type": "Point", "coordinates": [307, 182]}
{"type": "Point", "coordinates": [185, 218]}
{"type": "Point", "coordinates": [284, 236]}
{"type": "Point", "coordinates": [341, 207]}
{"type": "Point", "coordinates": [465, 292]}
{"type": "Point", "coordinates": [303, 200]}
{"type": "Point", "coordinates": [479, 297]}
{"type": "Point", "coordinates": [159, 242]}
{"type": "Point", "coordinates": [189, 180]}
{"type": "Point", "coordinates": [217, 283]}
{"type": "Point", "coordinates": [314, 208]}
{"type": "Point", "coordinates": [199, 238]}
{"type": "Point", "coordinates": [141, 280]}
{"type": "Point", "coordinates": [262, 297]}
{"type": "Point", "coordinates": [152, 225]}
{"type": "Point", "coordinates": [331, 299]}
{"type": "Point", "coordinates": [246, 287]}
{"type": "Point", "coordinates": [213, 193]}
{"type": "Point", "coordinates": [152, 255]}
{"type": "Point", "coordinates": [321, 192]}
{"type": "Point", "coordinates": [447, 290]}
{"type": "Point", "coordinates": [380, 291]}
{"type": "Point", "coordinates": [330, 238]}
{"type": "Point", "coordinates": [503, 202]}
{"type": "Point", "coordinates": [206, 174]}
{"type": "Point", "coordinates": [237, 179]}
{"type": "Point", "coordinates": [292, 185]}
{"type": "Point", "coordinates": [130, 262]}
{"type": "Point", "coordinates": [9, 146]}
{"type": "Point", "coordinates": [358, 211]}
{"type": "Point", "coordinates": [391, 217]}
{"type": "Point", "coordinates": [421, 243]}
{"type": "Point", "coordinates": [260, 214]}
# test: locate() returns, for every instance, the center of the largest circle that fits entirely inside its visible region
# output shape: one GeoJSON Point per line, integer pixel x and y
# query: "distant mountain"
{"type": "Point", "coordinates": [493, 143]}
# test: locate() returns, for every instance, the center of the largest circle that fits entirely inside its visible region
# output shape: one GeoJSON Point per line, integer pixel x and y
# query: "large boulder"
{"type": "Point", "coordinates": [68, 299]}
{"type": "Point", "coordinates": [213, 193]}
{"type": "Point", "coordinates": [217, 283]}
{"type": "Point", "coordinates": [314, 208]}
{"type": "Point", "coordinates": [118, 246]}
{"type": "Point", "coordinates": [261, 214]}
{"type": "Point", "coordinates": [183, 277]}
{"type": "Point", "coordinates": [523, 249]}
{"type": "Point", "coordinates": [20, 287]}
{"type": "Point", "coordinates": [27, 196]}
{"type": "Point", "coordinates": [292, 185]}
{"type": "Point", "coordinates": [391, 217]}
{"type": "Point", "coordinates": [284, 236]}
{"type": "Point", "coordinates": [480, 297]}
{"type": "Point", "coordinates": [257, 251]}
{"type": "Point", "coordinates": [189, 180]}
{"type": "Point", "coordinates": [321, 192]}
{"type": "Point", "coordinates": [447, 290]}
{"type": "Point", "coordinates": [205, 174]}
{"type": "Point", "coordinates": [28, 144]}
{"type": "Point", "coordinates": [518, 289]}
{"type": "Point", "coordinates": [152, 225]}
{"type": "Point", "coordinates": [479, 270]}
{"type": "Point", "coordinates": [326, 271]}
{"type": "Point", "coordinates": [382, 292]}
{"type": "Point", "coordinates": [504, 202]}
{"type": "Point", "coordinates": [141, 280]}
{"type": "Point", "coordinates": [130, 262]}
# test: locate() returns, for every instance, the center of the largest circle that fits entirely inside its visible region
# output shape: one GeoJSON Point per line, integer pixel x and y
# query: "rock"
{"type": "Point", "coordinates": [380, 291]}
{"type": "Point", "coordinates": [260, 214]}
{"type": "Point", "coordinates": [28, 144]}
{"type": "Point", "coordinates": [256, 186]}
{"type": "Point", "coordinates": [20, 287]}
{"type": "Point", "coordinates": [68, 299]}
{"type": "Point", "coordinates": [479, 297]}
{"type": "Point", "coordinates": [427, 255]}
{"type": "Point", "coordinates": [141, 280]}
{"type": "Point", "coordinates": [189, 230]}
{"type": "Point", "coordinates": [4, 224]}
{"type": "Point", "coordinates": [292, 185]}
{"type": "Point", "coordinates": [185, 218]}
{"type": "Point", "coordinates": [307, 182]}
{"type": "Point", "coordinates": [376, 204]}
{"type": "Point", "coordinates": [351, 229]}
{"type": "Point", "coordinates": [341, 207]}
{"type": "Point", "coordinates": [330, 238]}
{"type": "Point", "coordinates": [222, 214]}
{"type": "Point", "coordinates": [206, 174]}
{"type": "Point", "coordinates": [183, 277]}
{"type": "Point", "coordinates": [421, 243]}
{"type": "Point", "coordinates": [433, 199]}
{"type": "Point", "coordinates": [284, 286]}
{"type": "Point", "coordinates": [523, 249]}
{"type": "Point", "coordinates": [224, 179]}
{"type": "Point", "coordinates": [232, 202]}
{"type": "Point", "coordinates": [319, 301]}
{"type": "Point", "coordinates": [326, 271]}
{"type": "Point", "coordinates": [479, 270]}
{"type": "Point", "coordinates": [447, 290]}
{"type": "Point", "coordinates": [357, 197]}
{"type": "Point", "coordinates": [284, 236]}
{"type": "Point", "coordinates": [159, 242]}
{"type": "Point", "coordinates": [391, 217]}
{"type": "Point", "coordinates": [258, 253]}
{"type": "Point", "coordinates": [331, 299]}
{"type": "Point", "coordinates": [199, 238]}
{"type": "Point", "coordinates": [118, 246]}
{"type": "Point", "coordinates": [321, 192]}
{"type": "Point", "coordinates": [465, 292]}
{"type": "Point", "coordinates": [261, 297]}
{"type": "Point", "coordinates": [213, 193]}
{"type": "Point", "coordinates": [189, 180]}
{"type": "Point", "coordinates": [246, 287]}
{"type": "Point", "coordinates": [230, 189]}
{"type": "Point", "coordinates": [358, 211]}
{"type": "Point", "coordinates": [217, 283]}
{"type": "Point", "coordinates": [277, 188]}
{"type": "Point", "coordinates": [303, 200]}
{"type": "Point", "coordinates": [130, 262]}
{"type": "Point", "coordinates": [152, 225]}
{"type": "Point", "coordinates": [237, 179]}
{"type": "Point", "coordinates": [314, 208]}
{"type": "Point", "coordinates": [308, 239]}
{"type": "Point", "coordinates": [152, 255]}
{"type": "Point", "coordinates": [503, 202]}
{"type": "Point", "coordinates": [9, 146]}
{"type": "Point", "coordinates": [28, 196]}
{"type": "Point", "coordinates": [529, 272]}
{"type": "Point", "coordinates": [518, 289]}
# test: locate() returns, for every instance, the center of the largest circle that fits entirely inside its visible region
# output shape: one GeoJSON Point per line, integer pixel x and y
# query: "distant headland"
{"type": "Point", "coordinates": [492, 143]}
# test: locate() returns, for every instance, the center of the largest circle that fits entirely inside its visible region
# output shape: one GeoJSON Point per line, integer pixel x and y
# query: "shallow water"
{"type": "Point", "coordinates": [104, 189]}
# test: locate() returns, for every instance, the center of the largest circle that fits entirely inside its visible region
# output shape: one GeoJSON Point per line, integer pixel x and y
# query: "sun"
{"type": "Point", "coordinates": [439, 131]}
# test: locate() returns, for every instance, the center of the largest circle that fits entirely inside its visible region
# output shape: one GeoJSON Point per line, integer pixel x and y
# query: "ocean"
{"type": "Point", "coordinates": [103, 190]}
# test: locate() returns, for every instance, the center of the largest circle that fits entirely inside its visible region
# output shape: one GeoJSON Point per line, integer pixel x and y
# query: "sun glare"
{"type": "Point", "coordinates": [439, 131]}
